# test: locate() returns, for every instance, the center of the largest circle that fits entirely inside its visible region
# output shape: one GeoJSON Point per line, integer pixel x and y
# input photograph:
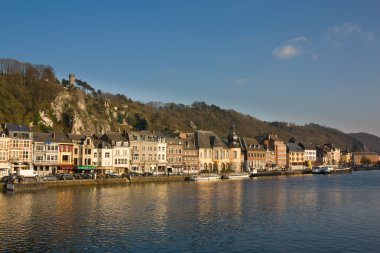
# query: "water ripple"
{"type": "Point", "coordinates": [280, 214]}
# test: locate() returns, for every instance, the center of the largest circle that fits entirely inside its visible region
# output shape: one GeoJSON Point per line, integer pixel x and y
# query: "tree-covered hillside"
{"type": "Point", "coordinates": [32, 95]}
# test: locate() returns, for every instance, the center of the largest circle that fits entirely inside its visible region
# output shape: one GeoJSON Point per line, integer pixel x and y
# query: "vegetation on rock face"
{"type": "Point", "coordinates": [27, 89]}
{"type": "Point", "coordinates": [370, 141]}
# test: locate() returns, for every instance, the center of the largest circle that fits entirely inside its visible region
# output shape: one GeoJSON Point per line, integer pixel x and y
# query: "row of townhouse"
{"type": "Point", "coordinates": [300, 155]}
{"type": "Point", "coordinates": [145, 151]}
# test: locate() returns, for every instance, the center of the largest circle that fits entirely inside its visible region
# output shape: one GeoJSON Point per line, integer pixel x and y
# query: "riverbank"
{"type": "Point", "coordinates": [34, 186]}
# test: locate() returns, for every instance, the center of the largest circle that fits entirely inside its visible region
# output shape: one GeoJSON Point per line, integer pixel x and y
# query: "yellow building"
{"type": "Point", "coordinates": [295, 156]}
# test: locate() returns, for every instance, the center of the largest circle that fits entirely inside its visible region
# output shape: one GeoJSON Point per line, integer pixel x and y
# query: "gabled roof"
{"type": "Point", "coordinates": [77, 137]}
{"type": "Point", "coordinates": [58, 137]}
{"type": "Point", "coordinates": [208, 139]}
{"type": "Point", "coordinates": [174, 141]}
{"type": "Point", "coordinates": [16, 128]}
{"type": "Point", "coordinates": [143, 135]}
{"type": "Point", "coordinates": [308, 146]}
{"type": "Point", "coordinates": [252, 144]}
{"type": "Point", "coordinates": [115, 137]}
{"type": "Point", "coordinates": [294, 147]}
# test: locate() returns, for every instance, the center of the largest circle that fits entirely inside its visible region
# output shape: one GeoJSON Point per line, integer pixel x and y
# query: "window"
{"type": "Point", "coordinates": [76, 151]}
{"type": "Point", "coordinates": [65, 158]}
{"type": "Point", "coordinates": [3, 155]}
{"type": "Point", "coordinates": [235, 154]}
{"type": "Point", "coordinates": [25, 154]}
{"type": "Point", "coordinates": [107, 155]}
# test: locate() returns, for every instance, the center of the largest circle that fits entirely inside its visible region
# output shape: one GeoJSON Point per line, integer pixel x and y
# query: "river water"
{"type": "Point", "coordinates": [311, 213]}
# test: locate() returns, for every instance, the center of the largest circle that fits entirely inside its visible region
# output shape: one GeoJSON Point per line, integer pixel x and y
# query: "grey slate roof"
{"type": "Point", "coordinates": [115, 137]}
{"type": "Point", "coordinates": [16, 128]}
{"type": "Point", "coordinates": [58, 137]}
{"type": "Point", "coordinates": [252, 144]}
{"type": "Point", "coordinates": [308, 146]}
{"type": "Point", "coordinates": [76, 137]}
{"type": "Point", "coordinates": [208, 139]}
{"type": "Point", "coordinates": [294, 147]}
{"type": "Point", "coordinates": [174, 141]}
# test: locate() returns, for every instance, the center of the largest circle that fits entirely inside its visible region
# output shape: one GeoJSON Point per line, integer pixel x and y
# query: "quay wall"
{"type": "Point", "coordinates": [32, 186]}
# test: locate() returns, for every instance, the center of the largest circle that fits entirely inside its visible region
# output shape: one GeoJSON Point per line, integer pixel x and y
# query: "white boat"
{"type": "Point", "coordinates": [341, 170]}
{"type": "Point", "coordinates": [322, 169]}
{"type": "Point", "coordinates": [205, 177]}
{"type": "Point", "coordinates": [235, 176]}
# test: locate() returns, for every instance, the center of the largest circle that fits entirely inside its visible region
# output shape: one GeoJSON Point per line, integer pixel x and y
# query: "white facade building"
{"type": "Point", "coordinates": [45, 153]}
{"type": "Point", "coordinates": [4, 155]}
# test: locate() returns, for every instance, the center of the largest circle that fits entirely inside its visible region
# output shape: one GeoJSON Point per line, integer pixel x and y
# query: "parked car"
{"type": "Point", "coordinates": [135, 174]}
{"type": "Point", "coordinates": [50, 178]}
{"type": "Point", "coordinates": [87, 176]}
{"type": "Point", "coordinates": [66, 177]}
{"type": "Point", "coordinates": [78, 176]}
{"type": "Point", "coordinates": [147, 174]}
{"type": "Point", "coordinates": [111, 175]}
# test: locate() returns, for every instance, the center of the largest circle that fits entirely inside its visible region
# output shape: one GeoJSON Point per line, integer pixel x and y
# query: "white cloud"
{"type": "Point", "coordinates": [299, 39]}
{"type": "Point", "coordinates": [293, 47]}
{"type": "Point", "coordinates": [337, 35]}
{"type": "Point", "coordinates": [348, 29]}
{"type": "Point", "coordinates": [286, 51]}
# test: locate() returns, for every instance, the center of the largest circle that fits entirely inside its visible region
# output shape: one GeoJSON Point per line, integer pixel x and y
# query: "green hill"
{"type": "Point", "coordinates": [371, 142]}
{"type": "Point", "coordinates": [32, 95]}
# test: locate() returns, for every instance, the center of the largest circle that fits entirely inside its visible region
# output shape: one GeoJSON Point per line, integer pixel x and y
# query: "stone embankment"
{"type": "Point", "coordinates": [32, 186]}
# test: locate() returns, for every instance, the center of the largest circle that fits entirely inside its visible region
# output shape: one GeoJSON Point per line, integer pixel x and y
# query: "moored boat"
{"type": "Point", "coordinates": [206, 177]}
{"type": "Point", "coordinates": [235, 176]}
{"type": "Point", "coordinates": [321, 170]}
{"type": "Point", "coordinates": [341, 170]}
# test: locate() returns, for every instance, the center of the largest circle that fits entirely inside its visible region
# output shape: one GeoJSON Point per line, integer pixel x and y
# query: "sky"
{"type": "Point", "coordinates": [293, 61]}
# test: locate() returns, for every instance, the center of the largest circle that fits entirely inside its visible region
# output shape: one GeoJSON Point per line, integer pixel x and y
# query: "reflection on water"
{"type": "Point", "coordinates": [281, 214]}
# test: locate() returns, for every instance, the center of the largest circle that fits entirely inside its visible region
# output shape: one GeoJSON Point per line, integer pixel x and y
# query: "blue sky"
{"type": "Point", "coordinates": [294, 61]}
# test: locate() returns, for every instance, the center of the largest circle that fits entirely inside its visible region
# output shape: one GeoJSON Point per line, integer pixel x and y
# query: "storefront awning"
{"type": "Point", "coordinates": [87, 167]}
{"type": "Point", "coordinates": [65, 167]}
